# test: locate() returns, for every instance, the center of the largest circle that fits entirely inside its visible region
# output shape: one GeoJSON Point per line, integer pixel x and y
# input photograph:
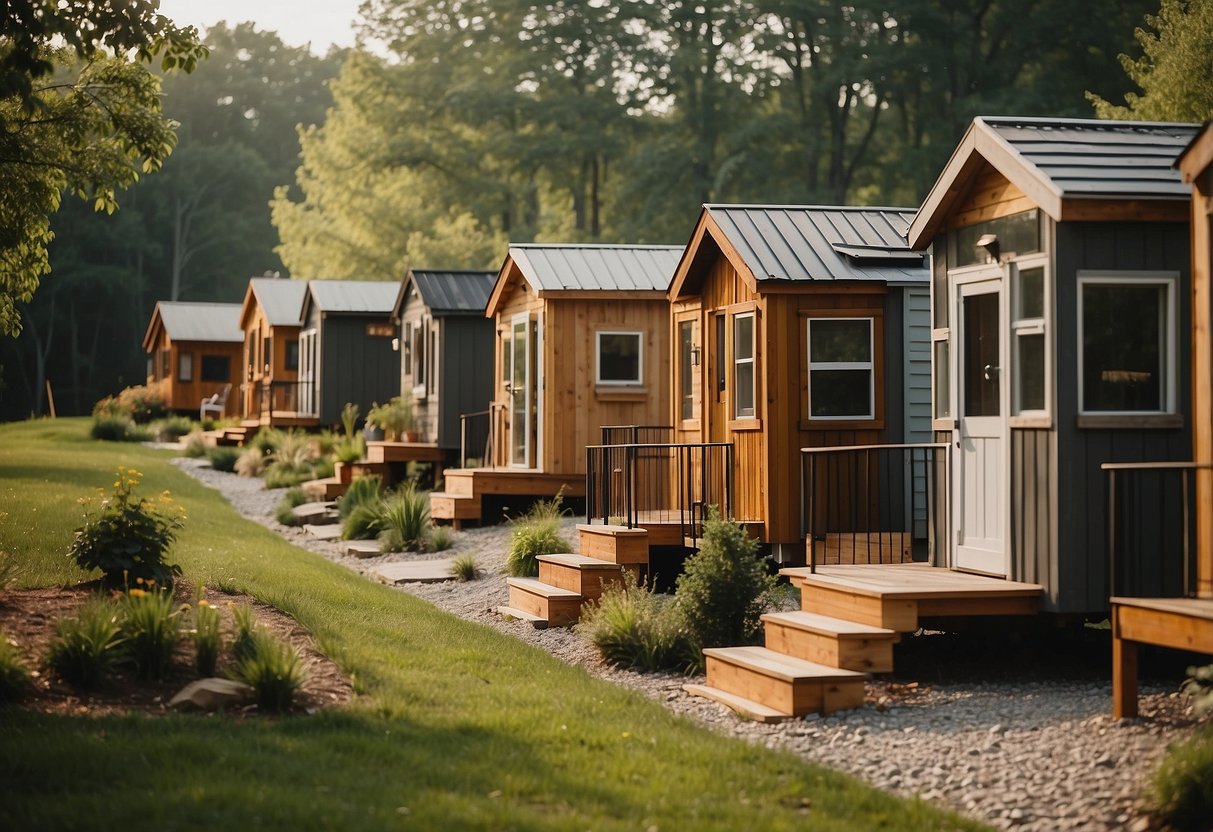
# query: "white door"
{"type": "Point", "coordinates": [307, 373]}
{"type": "Point", "coordinates": [522, 397]}
{"type": "Point", "coordinates": [981, 456]}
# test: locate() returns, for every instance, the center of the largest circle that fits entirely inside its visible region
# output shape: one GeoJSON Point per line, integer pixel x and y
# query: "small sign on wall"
{"type": "Point", "coordinates": [380, 331]}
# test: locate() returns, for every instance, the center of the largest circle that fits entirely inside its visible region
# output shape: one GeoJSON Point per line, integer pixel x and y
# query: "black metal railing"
{"type": "Point", "coordinates": [637, 434]}
{"type": "Point", "coordinates": [270, 397]}
{"type": "Point", "coordinates": [875, 503]}
{"type": "Point", "coordinates": [475, 439]}
{"type": "Point", "coordinates": [1151, 525]}
{"type": "Point", "coordinates": [659, 483]}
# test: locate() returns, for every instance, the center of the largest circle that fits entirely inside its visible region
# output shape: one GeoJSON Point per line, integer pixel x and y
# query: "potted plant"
{"type": "Point", "coordinates": [372, 431]}
{"type": "Point", "coordinates": [396, 419]}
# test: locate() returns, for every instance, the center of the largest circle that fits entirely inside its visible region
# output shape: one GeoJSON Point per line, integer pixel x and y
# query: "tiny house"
{"type": "Point", "coordinates": [1060, 314]}
{"type": "Point", "coordinates": [445, 342]}
{"type": "Point", "coordinates": [194, 350]}
{"type": "Point", "coordinates": [346, 347]}
{"type": "Point", "coordinates": [269, 317]}
{"type": "Point", "coordinates": [793, 327]}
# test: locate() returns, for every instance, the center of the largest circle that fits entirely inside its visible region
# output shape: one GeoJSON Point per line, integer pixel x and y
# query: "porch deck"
{"type": "Point", "coordinates": [461, 499]}
{"type": "Point", "coordinates": [286, 419]}
{"type": "Point", "coordinates": [1180, 623]}
{"type": "Point", "coordinates": [665, 526]}
{"type": "Point", "coordinates": [404, 452]}
{"type": "Point", "coordinates": [897, 596]}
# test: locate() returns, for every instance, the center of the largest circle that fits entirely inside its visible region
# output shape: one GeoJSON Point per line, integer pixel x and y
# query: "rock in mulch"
{"type": "Point", "coordinates": [212, 694]}
{"type": "Point", "coordinates": [316, 514]}
{"type": "Point", "coordinates": [414, 572]}
{"type": "Point", "coordinates": [330, 532]}
{"type": "Point", "coordinates": [361, 548]}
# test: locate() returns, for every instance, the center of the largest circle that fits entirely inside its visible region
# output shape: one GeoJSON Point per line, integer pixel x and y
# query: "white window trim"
{"type": "Point", "coordinates": [1032, 326]}
{"type": "Point", "coordinates": [598, 379]}
{"type": "Point", "coordinates": [1170, 280]}
{"type": "Point", "coordinates": [752, 361]}
{"type": "Point", "coordinates": [869, 365]}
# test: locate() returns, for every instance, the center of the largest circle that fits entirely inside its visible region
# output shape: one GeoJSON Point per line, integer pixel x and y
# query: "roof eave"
{"type": "Point", "coordinates": [1196, 158]}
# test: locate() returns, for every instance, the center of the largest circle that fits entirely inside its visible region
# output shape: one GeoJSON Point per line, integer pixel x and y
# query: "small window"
{"type": "Point", "coordinates": [185, 366]}
{"type": "Point", "coordinates": [1017, 234]}
{"type": "Point", "coordinates": [721, 373]}
{"type": "Point", "coordinates": [1126, 332]}
{"type": "Point", "coordinates": [406, 349]}
{"type": "Point", "coordinates": [291, 358]}
{"type": "Point", "coordinates": [216, 368]}
{"type": "Point", "coordinates": [619, 358]}
{"type": "Point", "coordinates": [267, 353]}
{"type": "Point", "coordinates": [686, 362]}
{"type": "Point", "coordinates": [505, 358]}
{"type": "Point", "coordinates": [419, 354]}
{"type": "Point", "coordinates": [744, 376]}
{"type": "Point", "coordinates": [1028, 326]}
{"type": "Point", "coordinates": [841, 377]}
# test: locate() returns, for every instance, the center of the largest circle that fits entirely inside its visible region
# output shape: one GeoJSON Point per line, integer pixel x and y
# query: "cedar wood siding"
{"type": "Point", "coordinates": [518, 299]}
{"type": "Point", "coordinates": [353, 366]}
{"type": "Point", "coordinates": [252, 371]}
{"type": "Point", "coordinates": [187, 395]}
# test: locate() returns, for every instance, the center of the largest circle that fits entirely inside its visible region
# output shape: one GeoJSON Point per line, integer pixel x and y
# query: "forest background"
{"type": "Point", "coordinates": [469, 124]}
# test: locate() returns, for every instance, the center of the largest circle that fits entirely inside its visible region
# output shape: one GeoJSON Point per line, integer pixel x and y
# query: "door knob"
{"type": "Point", "coordinates": [989, 372]}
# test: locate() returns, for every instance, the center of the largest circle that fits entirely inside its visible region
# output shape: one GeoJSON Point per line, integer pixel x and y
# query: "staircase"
{"type": "Point", "coordinates": [816, 659]}
{"type": "Point", "coordinates": [461, 499]}
{"type": "Point", "coordinates": [234, 436]}
{"type": "Point", "coordinates": [566, 581]}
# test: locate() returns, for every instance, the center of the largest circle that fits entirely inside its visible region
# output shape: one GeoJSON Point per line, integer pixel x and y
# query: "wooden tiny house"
{"type": "Point", "coordinates": [270, 318]}
{"type": "Point", "coordinates": [194, 352]}
{"type": "Point", "coordinates": [797, 326]}
{"type": "Point", "coordinates": [346, 347]}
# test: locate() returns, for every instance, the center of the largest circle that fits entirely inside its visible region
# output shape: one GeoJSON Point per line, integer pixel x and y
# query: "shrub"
{"type": "Point", "coordinates": [139, 404]}
{"type": "Point", "coordinates": [633, 627]}
{"type": "Point", "coordinates": [350, 449]}
{"type": "Point", "coordinates": [266, 440]}
{"type": "Point", "coordinates": [250, 463]}
{"type": "Point", "coordinates": [395, 417]}
{"type": "Point", "coordinates": [1182, 787]}
{"type": "Point", "coordinates": [86, 646]}
{"type": "Point", "coordinates": [724, 587]}
{"type": "Point", "coordinates": [439, 539]}
{"type": "Point", "coordinates": [108, 408]}
{"type": "Point", "coordinates": [282, 477]}
{"type": "Point", "coordinates": [223, 457]}
{"type": "Point", "coordinates": [151, 628]}
{"type": "Point", "coordinates": [195, 445]}
{"type": "Point", "coordinates": [536, 533]}
{"type": "Point", "coordinates": [173, 428]}
{"type": "Point", "coordinates": [464, 568]}
{"type": "Point", "coordinates": [323, 443]}
{"type": "Point", "coordinates": [404, 519]}
{"type": "Point", "coordinates": [292, 460]}
{"type": "Point", "coordinates": [322, 468]}
{"type": "Point", "coordinates": [130, 535]}
{"type": "Point", "coordinates": [111, 428]}
{"type": "Point", "coordinates": [284, 513]}
{"type": "Point", "coordinates": [349, 419]}
{"type": "Point", "coordinates": [274, 671]}
{"type": "Point", "coordinates": [363, 523]}
{"type": "Point", "coordinates": [246, 628]}
{"type": "Point", "coordinates": [207, 639]}
{"type": "Point", "coordinates": [362, 490]}
{"type": "Point", "coordinates": [14, 675]}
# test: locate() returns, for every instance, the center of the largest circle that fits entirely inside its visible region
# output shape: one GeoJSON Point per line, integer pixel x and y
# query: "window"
{"type": "Point", "coordinates": [1030, 357]}
{"type": "Point", "coordinates": [291, 358]}
{"type": "Point", "coordinates": [267, 353]}
{"type": "Point", "coordinates": [419, 354]}
{"type": "Point", "coordinates": [619, 357]}
{"type": "Point", "coordinates": [185, 366]}
{"type": "Point", "coordinates": [841, 377]}
{"type": "Point", "coordinates": [216, 368]}
{"type": "Point", "coordinates": [166, 363]}
{"type": "Point", "coordinates": [744, 380]}
{"type": "Point", "coordinates": [1127, 350]}
{"type": "Point", "coordinates": [406, 350]}
{"type": "Point", "coordinates": [721, 374]}
{"type": "Point", "coordinates": [1017, 234]}
{"type": "Point", "coordinates": [686, 388]}
{"type": "Point", "coordinates": [505, 358]}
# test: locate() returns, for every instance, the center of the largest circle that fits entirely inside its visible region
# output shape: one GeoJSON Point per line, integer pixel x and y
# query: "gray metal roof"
{"type": "Point", "coordinates": [819, 243]}
{"type": "Point", "coordinates": [454, 292]}
{"type": "Point", "coordinates": [1100, 159]}
{"type": "Point", "coordinates": [605, 268]}
{"type": "Point", "coordinates": [280, 298]}
{"type": "Point", "coordinates": [186, 321]}
{"type": "Point", "coordinates": [370, 296]}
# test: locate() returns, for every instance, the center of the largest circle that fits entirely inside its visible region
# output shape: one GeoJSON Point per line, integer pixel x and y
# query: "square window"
{"type": "Point", "coordinates": [841, 378]}
{"type": "Point", "coordinates": [185, 366]}
{"type": "Point", "coordinates": [1125, 339]}
{"type": "Point", "coordinates": [619, 357]}
{"type": "Point", "coordinates": [216, 368]}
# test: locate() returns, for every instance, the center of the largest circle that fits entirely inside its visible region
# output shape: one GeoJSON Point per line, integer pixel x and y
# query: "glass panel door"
{"type": "Point", "coordinates": [521, 403]}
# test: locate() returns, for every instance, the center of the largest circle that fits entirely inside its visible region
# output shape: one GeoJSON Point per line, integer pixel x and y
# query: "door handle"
{"type": "Point", "coordinates": [989, 372]}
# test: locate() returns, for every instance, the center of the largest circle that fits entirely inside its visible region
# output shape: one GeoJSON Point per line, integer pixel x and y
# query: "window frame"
{"type": "Point", "coordinates": [227, 363]}
{"type": "Point", "coordinates": [734, 362]}
{"type": "Point", "coordinates": [869, 365]}
{"type": "Point", "coordinates": [290, 358]}
{"type": "Point", "coordinates": [1026, 327]}
{"type": "Point", "coordinates": [185, 367]}
{"type": "Point", "coordinates": [598, 379]}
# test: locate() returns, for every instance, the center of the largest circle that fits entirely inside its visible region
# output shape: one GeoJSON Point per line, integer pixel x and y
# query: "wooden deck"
{"type": "Point", "coordinates": [665, 526]}
{"type": "Point", "coordinates": [404, 452]}
{"type": "Point", "coordinates": [464, 487]}
{"type": "Point", "coordinates": [1180, 623]}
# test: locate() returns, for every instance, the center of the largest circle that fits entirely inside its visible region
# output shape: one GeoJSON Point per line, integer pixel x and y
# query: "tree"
{"type": "Point", "coordinates": [1174, 71]}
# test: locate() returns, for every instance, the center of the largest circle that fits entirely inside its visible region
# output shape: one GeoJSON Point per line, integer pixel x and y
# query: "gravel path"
{"type": "Point", "coordinates": [1034, 754]}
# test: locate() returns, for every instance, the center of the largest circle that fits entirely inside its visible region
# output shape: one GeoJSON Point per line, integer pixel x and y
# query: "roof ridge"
{"type": "Point", "coordinates": [1083, 122]}
{"type": "Point", "coordinates": [785, 207]}
{"type": "Point", "coordinates": [649, 247]}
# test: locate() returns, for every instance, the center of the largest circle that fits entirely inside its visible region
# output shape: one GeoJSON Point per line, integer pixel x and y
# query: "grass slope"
{"type": "Point", "coordinates": [457, 726]}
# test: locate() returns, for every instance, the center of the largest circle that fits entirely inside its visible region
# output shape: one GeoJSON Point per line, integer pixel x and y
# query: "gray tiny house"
{"type": "Point", "coordinates": [446, 344]}
{"type": "Point", "coordinates": [1060, 312]}
{"type": "Point", "coordinates": [346, 350]}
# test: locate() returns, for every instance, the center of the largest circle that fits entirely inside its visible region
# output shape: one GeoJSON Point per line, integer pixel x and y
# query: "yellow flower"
{"type": "Point", "coordinates": [136, 593]}
{"type": "Point", "coordinates": [138, 580]}
{"type": "Point", "coordinates": [204, 603]}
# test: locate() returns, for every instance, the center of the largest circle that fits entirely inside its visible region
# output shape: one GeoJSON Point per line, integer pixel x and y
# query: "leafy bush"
{"type": "Point", "coordinates": [195, 445]}
{"type": "Point", "coordinates": [151, 628]}
{"type": "Point", "coordinates": [87, 646]}
{"type": "Point", "coordinates": [172, 428]}
{"type": "Point", "coordinates": [439, 539]}
{"type": "Point", "coordinates": [274, 671]}
{"type": "Point", "coordinates": [395, 417]}
{"type": "Point", "coordinates": [1182, 788]}
{"type": "Point", "coordinates": [223, 457]}
{"type": "Point", "coordinates": [724, 587]}
{"type": "Point", "coordinates": [250, 463]}
{"type": "Point", "coordinates": [322, 468]}
{"type": "Point", "coordinates": [464, 568]}
{"type": "Point", "coordinates": [207, 639]}
{"type": "Point", "coordinates": [633, 627]}
{"type": "Point", "coordinates": [111, 428]}
{"type": "Point", "coordinates": [139, 404]}
{"type": "Point", "coordinates": [266, 440]}
{"type": "Point", "coordinates": [284, 513]}
{"type": "Point", "coordinates": [130, 535]}
{"type": "Point", "coordinates": [404, 519]}
{"type": "Point", "coordinates": [363, 490]}
{"type": "Point", "coordinates": [14, 675]}
{"type": "Point", "coordinates": [536, 533]}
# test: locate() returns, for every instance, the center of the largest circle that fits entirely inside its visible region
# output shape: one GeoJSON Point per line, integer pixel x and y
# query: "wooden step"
{"type": "Point", "coordinates": [586, 576]}
{"type": "Point", "coordinates": [738, 704]}
{"type": "Point", "coordinates": [617, 544]}
{"type": "Point", "coordinates": [830, 641]}
{"type": "Point", "coordinates": [522, 615]}
{"type": "Point", "coordinates": [403, 452]}
{"type": "Point", "coordinates": [363, 468]}
{"type": "Point", "coordinates": [460, 482]}
{"type": "Point", "coordinates": [789, 685]}
{"type": "Point", "coordinates": [559, 607]}
{"type": "Point", "coordinates": [328, 488]}
{"type": "Point", "coordinates": [447, 506]}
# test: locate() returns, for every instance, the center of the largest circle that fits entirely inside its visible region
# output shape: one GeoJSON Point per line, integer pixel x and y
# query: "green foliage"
{"type": "Point", "coordinates": [139, 404]}
{"type": "Point", "coordinates": [440, 539]}
{"type": "Point", "coordinates": [8, 568]}
{"type": "Point", "coordinates": [363, 490]}
{"type": "Point", "coordinates": [324, 443]}
{"type": "Point", "coordinates": [465, 568]}
{"type": "Point", "coordinates": [208, 640]}
{"type": "Point", "coordinates": [250, 463]}
{"type": "Point", "coordinates": [636, 628]}
{"type": "Point", "coordinates": [151, 628]}
{"type": "Point", "coordinates": [111, 428]}
{"type": "Point", "coordinates": [283, 512]}
{"type": "Point", "coordinates": [350, 449]}
{"type": "Point", "coordinates": [223, 457]}
{"type": "Point", "coordinates": [274, 671]}
{"type": "Point", "coordinates": [14, 675]}
{"type": "Point", "coordinates": [195, 445]}
{"type": "Point", "coordinates": [1182, 786]}
{"type": "Point", "coordinates": [394, 418]}
{"type": "Point", "coordinates": [1199, 686]}
{"type": "Point", "coordinates": [724, 587]}
{"type": "Point", "coordinates": [404, 520]}
{"type": "Point", "coordinates": [1173, 71]}
{"type": "Point", "coordinates": [87, 646]}
{"type": "Point", "coordinates": [536, 533]}
{"type": "Point", "coordinates": [246, 628]}
{"type": "Point", "coordinates": [129, 536]}
{"type": "Point", "coordinates": [292, 460]}
{"type": "Point", "coordinates": [364, 522]}
{"type": "Point", "coordinates": [349, 418]}
{"type": "Point", "coordinates": [267, 440]}
{"type": "Point", "coordinates": [172, 428]}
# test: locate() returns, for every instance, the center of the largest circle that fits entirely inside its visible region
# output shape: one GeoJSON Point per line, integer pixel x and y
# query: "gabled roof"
{"type": "Point", "coordinates": [806, 243]}
{"type": "Point", "coordinates": [280, 299]}
{"type": "Point", "coordinates": [369, 297]}
{"type": "Point", "coordinates": [448, 292]}
{"type": "Point", "coordinates": [1056, 161]}
{"type": "Point", "coordinates": [576, 268]}
{"type": "Point", "coordinates": [188, 321]}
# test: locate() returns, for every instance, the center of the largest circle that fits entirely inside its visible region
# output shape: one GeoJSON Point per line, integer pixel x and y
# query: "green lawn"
{"type": "Point", "coordinates": [456, 726]}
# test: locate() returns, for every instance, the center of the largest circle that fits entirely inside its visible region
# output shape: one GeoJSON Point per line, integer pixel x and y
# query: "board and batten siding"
{"type": "Point", "coordinates": [916, 386]}
{"type": "Point", "coordinates": [465, 347]}
{"type": "Point", "coordinates": [354, 366]}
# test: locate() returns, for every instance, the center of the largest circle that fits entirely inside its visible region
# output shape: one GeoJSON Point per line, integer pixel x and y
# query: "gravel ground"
{"type": "Point", "coordinates": [1035, 749]}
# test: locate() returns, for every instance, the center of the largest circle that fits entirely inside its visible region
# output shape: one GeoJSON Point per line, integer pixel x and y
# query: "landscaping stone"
{"type": "Point", "coordinates": [212, 694]}
{"type": "Point", "coordinates": [361, 548]}
{"type": "Point", "coordinates": [326, 532]}
{"type": "Point", "coordinates": [414, 572]}
{"type": "Point", "coordinates": [316, 514]}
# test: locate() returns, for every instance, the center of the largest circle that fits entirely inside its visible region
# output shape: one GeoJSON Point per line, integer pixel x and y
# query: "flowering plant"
{"type": "Point", "coordinates": [128, 538]}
